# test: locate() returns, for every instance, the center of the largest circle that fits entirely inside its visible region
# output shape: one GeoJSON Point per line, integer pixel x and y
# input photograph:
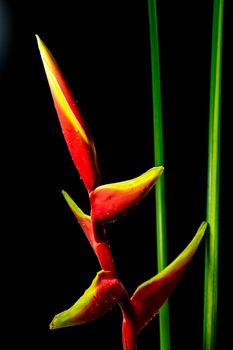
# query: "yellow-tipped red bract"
{"type": "Point", "coordinates": [84, 220]}
{"type": "Point", "coordinates": [151, 295]}
{"type": "Point", "coordinates": [96, 238]}
{"type": "Point", "coordinates": [110, 201]}
{"type": "Point", "coordinates": [75, 130]}
{"type": "Point", "coordinates": [105, 291]}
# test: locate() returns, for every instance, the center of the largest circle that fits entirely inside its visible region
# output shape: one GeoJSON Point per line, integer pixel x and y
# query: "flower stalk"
{"type": "Point", "coordinates": [161, 235]}
{"type": "Point", "coordinates": [212, 214]}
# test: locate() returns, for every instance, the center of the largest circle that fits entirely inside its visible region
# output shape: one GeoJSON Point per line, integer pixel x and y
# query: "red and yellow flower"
{"type": "Point", "coordinates": [107, 203]}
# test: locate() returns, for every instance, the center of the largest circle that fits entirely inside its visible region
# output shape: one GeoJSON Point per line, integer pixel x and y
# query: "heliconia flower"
{"type": "Point", "coordinates": [74, 128]}
{"type": "Point", "coordinates": [96, 237]}
{"type": "Point", "coordinates": [151, 295]}
{"type": "Point", "coordinates": [108, 202]}
{"type": "Point", "coordinates": [105, 292]}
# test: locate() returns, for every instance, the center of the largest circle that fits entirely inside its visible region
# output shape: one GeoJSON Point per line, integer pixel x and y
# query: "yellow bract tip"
{"type": "Point", "coordinates": [42, 47]}
{"type": "Point", "coordinates": [56, 82]}
{"type": "Point", "coordinates": [39, 41]}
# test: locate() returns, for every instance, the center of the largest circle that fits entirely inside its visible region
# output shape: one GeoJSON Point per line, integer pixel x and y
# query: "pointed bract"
{"type": "Point", "coordinates": [83, 219]}
{"type": "Point", "coordinates": [108, 202]}
{"type": "Point", "coordinates": [151, 295]}
{"type": "Point", "coordinates": [75, 131]}
{"type": "Point", "coordinates": [96, 237]}
{"type": "Point", "coordinates": [105, 292]}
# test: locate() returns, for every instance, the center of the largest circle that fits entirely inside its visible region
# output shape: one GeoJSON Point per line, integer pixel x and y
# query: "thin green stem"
{"type": "Point", "coordinates": [158, 156]}
{"type": "Point", "coordinates": [211, 248]}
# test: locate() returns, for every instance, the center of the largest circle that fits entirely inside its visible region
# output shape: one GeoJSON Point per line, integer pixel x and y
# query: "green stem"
{"type": "Point", "coordinates": [158, 156]}
{"type": "Point", "coordinates": [211, 248]}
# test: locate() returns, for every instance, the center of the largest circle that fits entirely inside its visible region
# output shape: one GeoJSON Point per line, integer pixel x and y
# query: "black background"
{"type": "Point", "coordinates": [103, 50]}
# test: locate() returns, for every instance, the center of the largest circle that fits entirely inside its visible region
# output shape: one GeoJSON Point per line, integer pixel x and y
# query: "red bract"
{"type": "Point", "coordinates": [84, 220]}
{"type": "Point", "coordinates": [74, 128]}
{"type": "Point", "coordinates": [105, 291]}
{"type": "Point", "coordinates": [150, 296]}
{"type": "Point", "coordinates": [108, 202]}
{"type": "Point", "coordinates": [95, 235]}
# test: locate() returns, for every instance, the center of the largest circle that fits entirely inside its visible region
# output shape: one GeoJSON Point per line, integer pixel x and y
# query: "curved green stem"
{"type": "Point", "coordinates": [211, 249]}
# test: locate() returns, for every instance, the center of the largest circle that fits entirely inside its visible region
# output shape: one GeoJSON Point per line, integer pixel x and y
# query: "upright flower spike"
{"type": "Point", "coordinates": [150, 296]}
{"type": "Point", "coordinates": [108, 202]}
{"type": "Point", "coordinates": [105, 292]}
{"type": "Point", "coordinates": [75, 130]}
